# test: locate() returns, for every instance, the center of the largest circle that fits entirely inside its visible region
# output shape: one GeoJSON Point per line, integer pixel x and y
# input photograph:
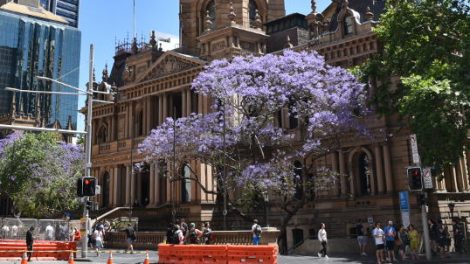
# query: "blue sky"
{"type": "Point", "coordinates": [103, 22]}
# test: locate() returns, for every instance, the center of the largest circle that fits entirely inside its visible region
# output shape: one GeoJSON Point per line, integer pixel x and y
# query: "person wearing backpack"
{"type": "Point", "coordinates": [207, 234]}
{"type": "Point", "coordinates": [256, 230]}
{"type": "Point", "coordinates": [193, 234]}
{"type": "Point", "coordinates": [130, 238]}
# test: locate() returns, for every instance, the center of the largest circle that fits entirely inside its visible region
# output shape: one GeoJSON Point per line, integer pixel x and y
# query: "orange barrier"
{"type": "Point", "coordinates": [41, 249]}
{"type": "Point", "coordinates": [217, 254]}
{"type": "Point", "coordinates": [252, 254]}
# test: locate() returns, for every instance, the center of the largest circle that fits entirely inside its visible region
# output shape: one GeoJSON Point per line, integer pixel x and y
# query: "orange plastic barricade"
{"type": "Point", "coordinates": [192, 254]}
{"type": "Point", "coordinates": [252, 254]}
{"type": "Point", "coordinates": [41, 249]}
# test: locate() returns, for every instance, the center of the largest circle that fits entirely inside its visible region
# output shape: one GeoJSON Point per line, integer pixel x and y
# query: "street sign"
{"type": "Point", "coordinates": [405, 207]}
{"type": "Point", "coordinates": [427, 178]}
{"type": "Point", "coordinates": [414, 149]}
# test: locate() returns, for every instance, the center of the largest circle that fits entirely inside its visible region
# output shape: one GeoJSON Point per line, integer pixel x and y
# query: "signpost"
{"type": "Point", "coordinates": [427, 179]}
{"type": "Point", "coordinates": [405, 208]}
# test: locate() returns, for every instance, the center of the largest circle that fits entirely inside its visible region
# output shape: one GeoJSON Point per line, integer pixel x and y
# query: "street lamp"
{"type": "Point", "coordinates": [266, 208]}
{"type": "Point", "coordinates": [89, 93]}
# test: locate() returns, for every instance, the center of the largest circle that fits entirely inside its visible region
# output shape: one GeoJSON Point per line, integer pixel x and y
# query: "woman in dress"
{"type": "Point", "coordinates": [414, 238]}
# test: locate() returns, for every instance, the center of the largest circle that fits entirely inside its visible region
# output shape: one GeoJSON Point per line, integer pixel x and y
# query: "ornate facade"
{"type": "Point", "coordinates": [153, 85]}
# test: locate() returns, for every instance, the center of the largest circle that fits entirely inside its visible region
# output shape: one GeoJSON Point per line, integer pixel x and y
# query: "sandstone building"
{"type": "Point", "coordinates": [153, 85]}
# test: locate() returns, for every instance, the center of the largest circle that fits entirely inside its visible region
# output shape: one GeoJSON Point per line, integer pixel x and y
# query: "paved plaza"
{"type": "Point", "coordinates": [120, 258]}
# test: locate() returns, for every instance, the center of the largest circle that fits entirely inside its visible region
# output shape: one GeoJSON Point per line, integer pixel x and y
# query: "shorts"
{"type": "Point", "coordinates": [129, 241]}
{"type": "Point", "coordinates": [362, 240]}
{"type": "Point", "coordinates": [379, 246]}
{"type": "Point", "coordinates": [390, 244]}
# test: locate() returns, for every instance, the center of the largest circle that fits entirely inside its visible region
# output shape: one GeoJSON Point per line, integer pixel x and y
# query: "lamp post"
{"type": "Point", "coordinates": [89, 93]}
{"type": "Point", "coordinates": [451, 206]}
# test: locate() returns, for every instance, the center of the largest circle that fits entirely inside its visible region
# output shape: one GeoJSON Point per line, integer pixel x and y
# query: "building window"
{"type": "Point", "coordinates": [364, 174]}
{"type": "Point", "coordinates": [348, 25]}
{"type": "Point", "coordinates": [186, 184]}
{"type": "Point", "coordinates": [102, 134]}
{"type": "Point", "coordinates": [139, 123]}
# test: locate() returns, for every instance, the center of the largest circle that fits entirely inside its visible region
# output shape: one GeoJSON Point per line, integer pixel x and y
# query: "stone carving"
{"type": "Point", "coordinates": [167, 66]}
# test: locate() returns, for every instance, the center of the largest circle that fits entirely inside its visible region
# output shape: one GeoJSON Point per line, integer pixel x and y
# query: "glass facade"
{"type": "Point", "coordinates": [30, 47]}
{"type": "Point", "coordinates": [68, 9]}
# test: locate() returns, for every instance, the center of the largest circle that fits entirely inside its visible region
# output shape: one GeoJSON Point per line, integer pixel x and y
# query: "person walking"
{"type": "Point", "coordinates": [379, 238]}
{"type": "Point", "coordinates": [256, 232]}
{"type": "Point", "coordinates": [29, 242]}
{"type": "Point", "coordinates": [459, 235]}
{"type": "Point", "coordinates": [207, 234]}
{"type": "Point", "coordinates": [49, 232]}
{"type": "Point", "coordinates": [130, 238]}
{"type": "Point", "coordinates": [415, 239]}
{"type": "Point", "coordinates": [99, 239]}
{"type": "Point", "coordinates": [179, 234]}
{"type": "Point", "coordinates": [361, 239]}
{"type": "Point", "coordinates": [323, 240]}
{"type": "Point", "coordinates": [403, 241]}
{"type": "Point", "coordinates": [390, 234]}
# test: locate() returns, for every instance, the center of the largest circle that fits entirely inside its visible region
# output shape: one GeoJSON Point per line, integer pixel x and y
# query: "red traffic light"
{"type": "Point", "coordinates": [89, 186]}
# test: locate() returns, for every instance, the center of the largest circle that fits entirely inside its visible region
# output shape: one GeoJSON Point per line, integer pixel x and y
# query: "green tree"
{"type": "Point", "coordinates": [426, 43]}
{"type": "Point", "coordinates": [38, 172]}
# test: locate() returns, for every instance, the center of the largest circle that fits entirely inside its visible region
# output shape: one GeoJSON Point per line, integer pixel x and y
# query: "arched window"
{"type": "Point", "coordinates": [186, 184]}
{"type": "Point", "coordinates": [364, 174]}
{"type": "Point", "coordinates": [348, 25]}
{"type": "Point", "coordinates": [102, 134]}
{"type": "Point", "coordinates": [208, 13]}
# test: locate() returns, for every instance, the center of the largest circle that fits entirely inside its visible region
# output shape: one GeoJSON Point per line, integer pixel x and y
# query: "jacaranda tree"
{"type": "Point", "coordinates": [242, 139]}
{"type": "Point", "coordinates": [38, 172]}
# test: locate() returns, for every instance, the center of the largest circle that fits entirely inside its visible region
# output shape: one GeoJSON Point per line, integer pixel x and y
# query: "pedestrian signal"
{"type": "Point", "coordinates": [415, 178]}
{"type": "Point", "coordinates": [89, 186]}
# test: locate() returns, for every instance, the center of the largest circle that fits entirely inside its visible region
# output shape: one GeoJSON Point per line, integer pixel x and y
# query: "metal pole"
{"type": "Point", "coordinates": [424, 219]}
{"type": "Point", "coordinates": [224, 178]}
{"type": "Point", "coordinates": [88, 150]}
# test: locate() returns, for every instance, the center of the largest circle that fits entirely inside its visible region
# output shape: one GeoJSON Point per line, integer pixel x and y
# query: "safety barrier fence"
{"type": "Point", "coordinates": [41, 249]}
{"type": "Point", "coordinates": [218, 254]}
{"type": "Point", "coordinates": [150, 240]}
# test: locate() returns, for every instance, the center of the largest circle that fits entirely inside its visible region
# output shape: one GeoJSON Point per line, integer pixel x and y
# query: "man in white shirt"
{"type": "Point", "coordinates": [49, 232]}
{"type": "Point", "coordinates": [323, 240]}
{"type": "Point", "coordinates": [5, 231]}
{"type": "Point", "coordinates": [379, 237]}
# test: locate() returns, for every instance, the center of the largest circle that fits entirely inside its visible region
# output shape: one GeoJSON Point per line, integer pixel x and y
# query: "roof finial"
{"type": "Point", "coordinates": [314, 6]}
{"type": "Point", "coordinates": [105, 73]}
{"type": "Point", "coordinates": [232, 15]}
{"type": "Point", "coordinates": [134, 47]}
{"type": "Point", "coordinates": [369, 15]}
{"type": "Point", "coordinates": [153, 41]}
{"type": "Point", "coordinates": [258, 23]}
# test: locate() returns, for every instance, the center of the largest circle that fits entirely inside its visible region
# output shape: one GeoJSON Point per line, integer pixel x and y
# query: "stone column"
{"type": "Point", "coordinates": [115, 185]}
{"type": "Point", "coordinates": [131, 120]}
{"type": "Point", "coordinates": [388, 168]}
{"type": "Point", "coordinates": [463, 171]}
{"type": "Point", "coordinates": [165, 106]}
{"type": "Point", "coordinates": [188, 100]}
{"type": "Point", "coordinates": [342, 171]}
{"type": "Point", "coordinates": [148, 116]}
{"type": "Point", "coordinates": [128, 186]}
{"type": "Point", "coordinates": [184, 107]}
{"type": "Point", "coordinates": [152, 185]}
{"type": "Point", "coordinates": [160, 117]}
{"type": "Point", "coordinates": [157, 184]}
{"type": "Point", "coordinates": [379, 170]}
{"type": "Point", "coordinates": [334, 167]}
{"type": "Point", "coordinates": [453, 175]}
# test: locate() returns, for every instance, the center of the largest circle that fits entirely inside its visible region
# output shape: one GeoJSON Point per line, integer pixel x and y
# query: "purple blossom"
{"type": "Point", "coordinates": [249, 94]}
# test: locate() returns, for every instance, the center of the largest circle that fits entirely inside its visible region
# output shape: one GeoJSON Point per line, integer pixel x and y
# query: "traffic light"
{"type": "Point", "coordinates": [415, 178]}
{"type": "Point", "coordinates": [79, 187]}
{"type": "Point", "coordinates": [89, 205]}
{"type": "Point", "coordinates": [89, 186]}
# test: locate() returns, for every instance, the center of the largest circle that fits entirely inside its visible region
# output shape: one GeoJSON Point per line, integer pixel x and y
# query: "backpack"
{"type": "Point", "coordinates": [193, 237]}
{"type": "Point", "coordinates": [257, 230]}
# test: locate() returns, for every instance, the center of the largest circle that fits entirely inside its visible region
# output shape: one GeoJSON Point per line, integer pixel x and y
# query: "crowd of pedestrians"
{"type": "Point", "coordinates": [180, 233]}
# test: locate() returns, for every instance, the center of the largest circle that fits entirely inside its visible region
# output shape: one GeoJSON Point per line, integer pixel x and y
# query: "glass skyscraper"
{"type": "Point", "coordinates": [67, 9]}
{"type": "Point", "coordinates": [33, 44]}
